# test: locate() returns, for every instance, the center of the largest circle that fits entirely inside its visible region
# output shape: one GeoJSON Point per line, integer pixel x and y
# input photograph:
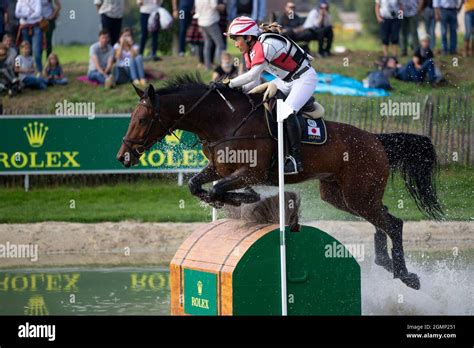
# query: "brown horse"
{"type": "Point", "coordinates": [353, 166]}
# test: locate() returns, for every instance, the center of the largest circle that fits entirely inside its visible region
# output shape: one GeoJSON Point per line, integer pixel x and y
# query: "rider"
{"type": "Point", "coordinates": [267, 50]}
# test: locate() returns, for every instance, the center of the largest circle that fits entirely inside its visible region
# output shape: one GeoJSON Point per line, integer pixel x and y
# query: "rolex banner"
{"type": "Point", "coordinates": [55, 144]}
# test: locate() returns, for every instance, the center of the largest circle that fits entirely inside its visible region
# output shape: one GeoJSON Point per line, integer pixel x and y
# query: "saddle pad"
{"type": "Point", "coordinates": [313, 131]}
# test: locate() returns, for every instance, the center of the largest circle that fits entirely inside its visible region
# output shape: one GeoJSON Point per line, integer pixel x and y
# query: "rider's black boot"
{"type": "Point", "coordinates": [293, 164]}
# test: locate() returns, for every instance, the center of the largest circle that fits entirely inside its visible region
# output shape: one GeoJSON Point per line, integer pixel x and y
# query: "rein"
{"type": "Point", "coordinates": [143, 143]}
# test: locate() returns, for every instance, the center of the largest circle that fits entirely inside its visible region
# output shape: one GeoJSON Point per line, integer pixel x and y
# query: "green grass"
{"type": "Point", "coordinates": [163, 201]}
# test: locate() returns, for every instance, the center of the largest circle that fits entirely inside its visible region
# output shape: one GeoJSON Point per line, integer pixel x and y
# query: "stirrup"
{"type": "Point", "coordinates": [293, 162]}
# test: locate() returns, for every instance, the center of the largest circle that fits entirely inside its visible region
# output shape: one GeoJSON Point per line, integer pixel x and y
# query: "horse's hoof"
{"type": "Point", "coordinates": [411, 280]}
{"type": "Point", "coordinates": [385, 263]}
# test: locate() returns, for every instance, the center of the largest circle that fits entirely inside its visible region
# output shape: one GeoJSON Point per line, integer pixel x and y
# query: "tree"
{"type": "Point", "coordinates": [366, 10]}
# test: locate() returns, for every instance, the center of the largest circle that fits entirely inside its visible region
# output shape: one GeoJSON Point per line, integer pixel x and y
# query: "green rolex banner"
{"type": "Point", "coordinates": [56, 144]}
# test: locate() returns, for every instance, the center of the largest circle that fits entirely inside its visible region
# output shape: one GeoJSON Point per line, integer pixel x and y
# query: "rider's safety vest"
{"type": "Point", "coordinates": [284, 56]}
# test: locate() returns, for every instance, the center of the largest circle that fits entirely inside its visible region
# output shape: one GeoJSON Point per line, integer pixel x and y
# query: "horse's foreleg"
{"type": "Point", "coordinates": [237, 180]}
{"type": "Point", "coordinates": [208, 174]}
{"type": "Point", "coordinates": [381, 253]}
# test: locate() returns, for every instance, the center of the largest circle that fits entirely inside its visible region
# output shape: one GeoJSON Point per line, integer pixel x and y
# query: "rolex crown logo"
{"type": "Point", "coordinates": [36, 133]}
{"type": "Point", "coordinates": [36, 306]}
{"type": "Point", "coordinates": [174, 140]}
{"type": "Point", "coordinates": [199, 285]}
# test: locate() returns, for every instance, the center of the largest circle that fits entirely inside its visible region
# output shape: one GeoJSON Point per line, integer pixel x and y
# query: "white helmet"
{"type": "Point", "coordinates": [242, 26]}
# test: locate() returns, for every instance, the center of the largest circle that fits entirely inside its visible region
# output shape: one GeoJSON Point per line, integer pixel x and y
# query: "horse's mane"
{"type": "Point", "coordinates": [189, 82]}
{"type": "Point", "coordinates": [183, 82]}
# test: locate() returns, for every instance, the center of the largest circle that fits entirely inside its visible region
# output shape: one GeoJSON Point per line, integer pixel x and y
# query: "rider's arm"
{"type": "Point", "coordinates": [250, 76]}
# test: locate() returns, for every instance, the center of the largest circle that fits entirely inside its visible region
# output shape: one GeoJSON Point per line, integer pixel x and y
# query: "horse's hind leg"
{"type": "Point", "coordinates": [369, 205]}
{"type": "Point", "coordinates": [381, 252]}
{"type": "Point", "coordinates": [331, 193]}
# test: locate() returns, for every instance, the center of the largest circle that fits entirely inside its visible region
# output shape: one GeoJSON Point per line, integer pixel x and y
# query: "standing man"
{"type": "Point", "coordinates": [147, 7]}
{"type": "Point", "coordinates": [446, 11]}
{"type": "Point", "coordinates": [50, 11]}
{"type": "Point", "coordinates": [428, 14]}
{"type": "Point", "coordinates": [29, 13]}
{"type": "Point", "coordinates": [182, 11]}
{"type": "Point", "coordinates": [255, 9]}
{"type": "Point", "coordinates": [388, 14]}
{"type": "Point", "coordinates": [111, 14]}
{"type": "Point", "coordinates": [410, 25]}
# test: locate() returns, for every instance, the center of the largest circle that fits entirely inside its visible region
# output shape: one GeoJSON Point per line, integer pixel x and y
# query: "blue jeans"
{"type": "Point", "coordinates": [449, 21]}
{"type": "Point", "coordinates": [183, 27]}
{"type": "Point", "coordinates": [96, 77]}
{"type": "Point", "coordinates": [410, 73]}
{"type": "Point", "coordinates": [136, 71]}
{"type": "Point", "coordinates": [430, 25]}
{"type": "Point", "coordinates": [34, 82]}
{"type": "Point", "coordinates": [154, 36]}
{"type": "Point", "coordinates": [63, 81]}
{"type": "Point", "coordinates": [36, 42]}
{"type": "Point", "coordinates": [468, 25]}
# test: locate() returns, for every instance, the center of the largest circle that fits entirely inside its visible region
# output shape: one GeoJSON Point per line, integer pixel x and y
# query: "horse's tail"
{"type": "Point", "coordinates": [415, 158]}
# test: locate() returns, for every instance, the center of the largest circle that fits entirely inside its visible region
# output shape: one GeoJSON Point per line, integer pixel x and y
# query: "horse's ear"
{"type": "Point", "coordinates": [151, 94]}
{"type": "Point", "coordinates": [139, 92]}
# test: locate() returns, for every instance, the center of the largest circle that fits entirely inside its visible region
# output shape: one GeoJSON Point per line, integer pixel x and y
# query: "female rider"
{"type": "Point", "coordinates": [289, 63]}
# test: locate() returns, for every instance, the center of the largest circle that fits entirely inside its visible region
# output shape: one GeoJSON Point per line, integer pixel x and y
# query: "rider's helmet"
{"type": "Point", "coordinates": [243, 26]}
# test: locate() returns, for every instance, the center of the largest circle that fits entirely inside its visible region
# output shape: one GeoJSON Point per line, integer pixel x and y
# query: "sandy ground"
{"type": "Point", "coordinates": [132, 243]}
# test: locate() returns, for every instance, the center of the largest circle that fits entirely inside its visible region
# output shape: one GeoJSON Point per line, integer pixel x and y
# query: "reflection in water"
{"type": "Point", "coordinates": [447, 289]}
{"type": "Point", "coordinates": [84, 292]}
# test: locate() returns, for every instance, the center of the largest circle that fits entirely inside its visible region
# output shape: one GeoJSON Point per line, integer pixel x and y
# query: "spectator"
{"type": "Point", "coordinates": [387, 13]}
{"type": "Point", "coordinates": [11, 50]}
{"type": "Point", "coordinates": [208, 20]}
{"type": "Point", "coordinates": [101, 59]}
{"type": "Point", "coordinates": [420, 66]}
{"type": "Point", "coordinates": [50, 11]}
{"type": "Point", "coordinates": [226, 68]}
{"type": "Point", "coordinates": [429, 19]}
{"type": "Point", "coordinates": [196, 40]}
{"type": "Point", "coordinates": [319, 21]}
{"type": "Point", "coordinates": [147, 7]}
{"type": "Point", "coordinates": [410, 25]}
{"type": "Point", "coordinates": [183, 12]}
{"type": "Point", "coordinates": [53, 72]}
{"type": "Point", "coordinates": [29, 12]}
{"type": "Point", "coordinates": [469, 27]}
{"type": "Point", "coordinates": [3, 16]}
{"type": "Point", "coordinates": [13, 22]}
{"type": "Point", "coordinates": [289, 20]}
{"type": "Point", "coordinates": [129, 66]}
{"type": "Point", "coordinates": [446, 11]}
{"type": "Point", "coordinates": [8, 81]}
{"type": "Point", "coordinates": [25, 67]}
{"type": "Point", "coordinates": [255, 9]}
{"type": "Point", "coordinates": [111, 14]}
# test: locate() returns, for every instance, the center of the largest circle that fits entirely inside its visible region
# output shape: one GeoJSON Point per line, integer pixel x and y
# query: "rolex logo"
{"type": "Point", "coordinates": [36, 133]}
{"type": "Point", "coordinates": [199, 286]}
{"type": "Point", "coordinates": [36, 306]}
{"type": "Point", "coordinates": [174, 140]}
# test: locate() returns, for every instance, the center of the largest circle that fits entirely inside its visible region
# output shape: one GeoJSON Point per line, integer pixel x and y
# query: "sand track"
{"type": "Point", "coordinates": [133, 243]}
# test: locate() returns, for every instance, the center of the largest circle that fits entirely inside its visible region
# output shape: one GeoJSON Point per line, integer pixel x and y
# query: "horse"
{"type": "Point", "coordinates": [353, 165]}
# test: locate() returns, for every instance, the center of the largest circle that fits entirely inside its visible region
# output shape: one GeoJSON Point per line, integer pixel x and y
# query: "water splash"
{"type": "Point", "coordinates": [447, 288]}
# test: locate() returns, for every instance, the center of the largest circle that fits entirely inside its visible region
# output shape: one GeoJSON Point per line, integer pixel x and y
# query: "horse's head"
{"type": "Point", "coordinates": [145, 128]}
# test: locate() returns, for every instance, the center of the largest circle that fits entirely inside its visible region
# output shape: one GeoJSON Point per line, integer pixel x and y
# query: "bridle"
{"type": "Point", "coordinates": [144, 144]}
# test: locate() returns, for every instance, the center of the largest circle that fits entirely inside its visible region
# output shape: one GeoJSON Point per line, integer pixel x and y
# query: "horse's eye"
{"type": "Point", "coordinates": [143, 121]}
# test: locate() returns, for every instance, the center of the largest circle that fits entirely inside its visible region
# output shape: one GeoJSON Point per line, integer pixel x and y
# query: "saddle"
{"type": "Point", "coordinates": [312, 125]}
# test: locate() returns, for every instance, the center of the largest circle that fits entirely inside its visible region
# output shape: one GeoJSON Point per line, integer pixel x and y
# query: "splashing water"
{"type": "Point", "coordinates": [446, 289]}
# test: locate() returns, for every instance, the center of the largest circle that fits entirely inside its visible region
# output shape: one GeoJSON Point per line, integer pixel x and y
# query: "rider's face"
{"type": "Point", "coordinates": [241, 44]}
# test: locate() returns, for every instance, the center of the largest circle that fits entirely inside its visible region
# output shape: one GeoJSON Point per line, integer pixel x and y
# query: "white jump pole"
{"type": "Point", "coordinates": [283, 111]}
{"type": "Point", "coordinates": [214, 210]}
